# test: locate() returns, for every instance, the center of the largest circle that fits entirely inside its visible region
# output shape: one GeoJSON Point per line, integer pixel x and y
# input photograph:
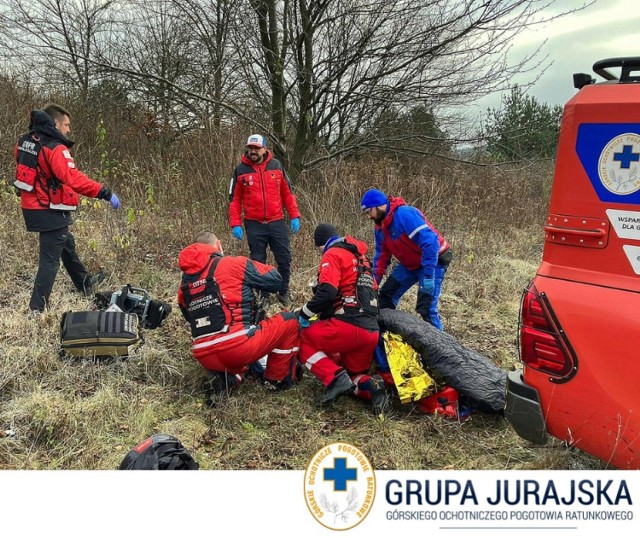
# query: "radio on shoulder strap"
{"type": "Point", "coordinates": [29, 147]}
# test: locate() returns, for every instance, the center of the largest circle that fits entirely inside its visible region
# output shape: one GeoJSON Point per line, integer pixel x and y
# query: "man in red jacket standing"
{"type": "Point", "coordinates": [338, 348]}
{"type": "Point", "coordinates": [49, 183]}
{"type": "Point", "coordinates": [217, 299]}
{"type": "Point", "coordinates": [260, 188]}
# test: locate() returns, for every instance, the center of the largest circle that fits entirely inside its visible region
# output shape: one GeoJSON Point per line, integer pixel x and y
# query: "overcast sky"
{"type": "Point", "coordinates": [607, 29]}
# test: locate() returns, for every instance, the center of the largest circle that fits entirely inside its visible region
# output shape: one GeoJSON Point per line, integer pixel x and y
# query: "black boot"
{"type": "Point", "coordinates": [218, 385]}
{"type": "Point", "coordinates": [90, 283]}
{"type": "Point", "coordinates": [379, 396]}
{"type": "Point", "coordinates": [340, 385]}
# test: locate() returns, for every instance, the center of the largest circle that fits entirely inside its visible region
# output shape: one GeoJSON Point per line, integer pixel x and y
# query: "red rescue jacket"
{"type": "Point", "coordinates": [335, 294]}
{"type": "Point", "coordinates": [236, 277]}
{"type": "Point", "coordinates": [54, 162]}
{"type": "Point", "coordinates": [261, 191]}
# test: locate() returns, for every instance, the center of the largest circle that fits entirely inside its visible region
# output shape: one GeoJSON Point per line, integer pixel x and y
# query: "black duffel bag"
{"type": "Point", "coordinates": [159, 452]}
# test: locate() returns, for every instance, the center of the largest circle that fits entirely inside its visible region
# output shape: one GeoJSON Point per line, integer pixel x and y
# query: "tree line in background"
{"type": "Point", "coordinates": [522, 128]}
{"type": "Point", "coordinates": [323, 79]}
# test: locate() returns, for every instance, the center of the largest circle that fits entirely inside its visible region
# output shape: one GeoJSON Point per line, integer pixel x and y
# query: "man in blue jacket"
{"type": "Point", "coordinates": [423, 255]}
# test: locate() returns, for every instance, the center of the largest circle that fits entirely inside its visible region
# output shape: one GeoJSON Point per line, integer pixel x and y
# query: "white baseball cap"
{"type": "Point", "coordinates": [256, 140]}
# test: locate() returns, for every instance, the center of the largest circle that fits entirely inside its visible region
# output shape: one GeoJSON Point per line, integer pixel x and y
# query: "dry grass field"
{"type": "Point", "coordinates": [76, 414]}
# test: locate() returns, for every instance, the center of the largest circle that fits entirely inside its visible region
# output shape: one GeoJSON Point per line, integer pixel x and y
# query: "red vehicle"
{"type": "Point", "coordinates": [580, 316]}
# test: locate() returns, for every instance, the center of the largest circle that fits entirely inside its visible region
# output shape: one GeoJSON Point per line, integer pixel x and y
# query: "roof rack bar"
{"type": "Point", "coordinates": [628, 65]}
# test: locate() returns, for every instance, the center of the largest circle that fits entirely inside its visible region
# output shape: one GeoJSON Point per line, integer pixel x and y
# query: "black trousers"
{"type": "Point", "coordinates": [276, 236]}
{"type": "Point", "coordinates": [54, 246]}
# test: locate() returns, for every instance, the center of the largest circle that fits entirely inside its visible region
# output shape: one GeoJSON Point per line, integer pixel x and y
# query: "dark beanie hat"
{"type": "Point", "coordinates": [323, 233]}
{"type": "Point", "coordinates": [373, 198]}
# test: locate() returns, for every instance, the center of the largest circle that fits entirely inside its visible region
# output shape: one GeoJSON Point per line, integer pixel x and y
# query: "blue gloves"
{"type": "Point", "coordinates": [238, 232]}
{"type": "Point", "coordinates": [427, 286]}
{"type": "Point", "coordinates": [114, 201]}
{"type": "Point", "coordinates": [303, 321]}
{"type": "Point", "coordinates": [295, 225]}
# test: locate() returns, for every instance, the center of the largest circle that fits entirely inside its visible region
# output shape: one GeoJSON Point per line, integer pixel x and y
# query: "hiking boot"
{"type": "Point", "coordinates": [218, 385]}
{"type": "Point", "coordinates": [90, 283]}
{"type": "Point", "coordinates": [36, 315]}
{"type": "Point", "coordinates": [255, 370]}
{"type": "Point", "coordinates": [285, 300]}
{"type": "Point", "coordinates": [380, 400]}
{"type": "Point", "coordinates": [280, 385]}
{"type": "Point", "coordinates": [340, 385]}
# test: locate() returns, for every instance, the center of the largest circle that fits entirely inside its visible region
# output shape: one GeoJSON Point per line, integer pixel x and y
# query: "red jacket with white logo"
{"type": "Point", "coordinates": [261, 191]}
{"type": "Point", "coordinates": [54, 161]}
{"type": "Point", "coordinates": [236, 277]}
{"type": "Point", "coordinates": [335, 294]}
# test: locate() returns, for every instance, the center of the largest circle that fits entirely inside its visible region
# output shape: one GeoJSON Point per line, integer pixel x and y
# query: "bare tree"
{"type": "Point", "coordinates": [209, 22]}
{"type": "Point", "coordinates": [159, 48]}
{"type": "Point", "coordinates": [56, 39]}
{"type": "Point", "coordinates": [335, 66]}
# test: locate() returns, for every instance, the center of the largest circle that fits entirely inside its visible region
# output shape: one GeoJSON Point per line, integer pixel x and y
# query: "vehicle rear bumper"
{"type": "Point", "coordinates": [523, 410]}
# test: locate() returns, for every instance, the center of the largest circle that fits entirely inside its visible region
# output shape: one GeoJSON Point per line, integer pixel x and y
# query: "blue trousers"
{"type": "Point", "coordinates": [401, 280]}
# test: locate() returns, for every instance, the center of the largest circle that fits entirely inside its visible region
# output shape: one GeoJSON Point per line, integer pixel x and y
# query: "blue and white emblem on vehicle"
{"type": "Point", "coordinates": [339, 486]}
{"type": "Point", "coordinates": [619, 164]}
{"type": "Point", "coordinates": [610, 154]}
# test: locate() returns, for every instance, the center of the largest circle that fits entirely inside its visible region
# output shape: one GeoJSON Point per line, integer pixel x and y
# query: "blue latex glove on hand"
{"type": "Point", "coordinates": [427, 285]}
{"type": "Point", "coordinates": [295, 225]}
{"type": "Point", "coordinates": [238, 232]}
{"type": "Point", "coordinates": [303, 321]}
{"type": "Point", "coordinates": [114, 201]}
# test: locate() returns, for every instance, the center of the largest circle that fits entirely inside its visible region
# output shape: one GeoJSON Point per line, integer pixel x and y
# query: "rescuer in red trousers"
{"type": "Point", "coordinates": [217, 298]}
{"type": "Point", "coordinates": [338, 348]}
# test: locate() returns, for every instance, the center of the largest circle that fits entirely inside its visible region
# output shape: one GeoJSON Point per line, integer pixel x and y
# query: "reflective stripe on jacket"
{"type": "Point", "coordinates": [408, 236]}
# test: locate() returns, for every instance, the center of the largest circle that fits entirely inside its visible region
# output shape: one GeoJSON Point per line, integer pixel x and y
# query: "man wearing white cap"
{"type": "Point", "coordinates": [260, 190]}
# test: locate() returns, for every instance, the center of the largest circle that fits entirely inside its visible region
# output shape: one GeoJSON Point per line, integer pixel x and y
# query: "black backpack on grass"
{"type": "Point", "coordinates": [159, 452]}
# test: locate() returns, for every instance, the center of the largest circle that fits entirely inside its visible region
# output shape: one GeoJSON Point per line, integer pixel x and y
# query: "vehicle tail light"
{"type": "Point", "coordinates": [544, 345]}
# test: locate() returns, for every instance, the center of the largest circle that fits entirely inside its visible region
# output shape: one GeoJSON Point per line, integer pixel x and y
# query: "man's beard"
{"type": "Point", "coordinates": [380, 216]}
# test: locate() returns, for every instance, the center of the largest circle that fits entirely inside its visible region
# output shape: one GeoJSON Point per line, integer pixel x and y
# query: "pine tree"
{"type": "Point", "coordinates": [522, 128]}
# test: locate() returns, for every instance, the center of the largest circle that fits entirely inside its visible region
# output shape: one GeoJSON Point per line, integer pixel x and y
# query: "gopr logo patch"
{"type": "Point", "coordinates": [339, 486]}
{"type": "Point", "coordinates": [610, 154]}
